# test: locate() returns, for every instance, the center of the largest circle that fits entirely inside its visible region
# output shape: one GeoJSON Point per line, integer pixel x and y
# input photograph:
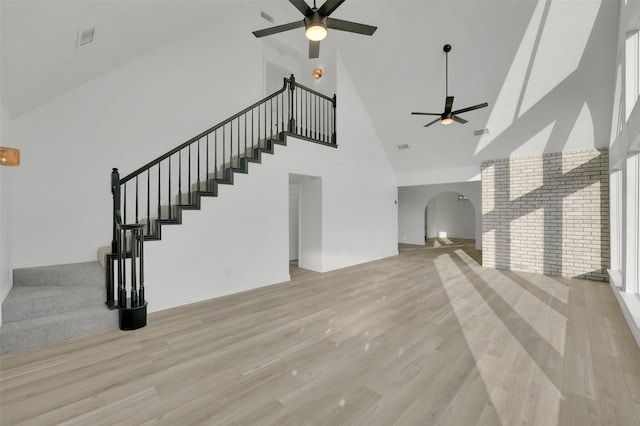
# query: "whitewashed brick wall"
{"type": "Point", "coordinates": [547, 214]}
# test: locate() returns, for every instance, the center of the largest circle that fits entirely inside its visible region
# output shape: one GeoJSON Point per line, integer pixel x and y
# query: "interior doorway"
{"type": "Point", "coordinates": [305, 221]}
{"type": "Point", "coordinates": [449, 215]}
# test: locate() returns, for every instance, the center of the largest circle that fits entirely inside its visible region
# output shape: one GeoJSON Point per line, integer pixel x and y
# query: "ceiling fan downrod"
{"type": "Point", "coordinates": [447, 49]}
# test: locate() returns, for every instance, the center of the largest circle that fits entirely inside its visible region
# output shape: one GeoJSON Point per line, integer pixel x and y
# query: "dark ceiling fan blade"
{"type": "Point", "coordinates": [448, 105]}
{"type": "Point", "coordinates": [329, 6]}
{"type": "Point", "coordinates": [314, 49]}
{"type": "Point", "coordinates": [426, 113]}
{"type": "Point", "coordinates": [460, 111]}
{"type": "Point", "coordinates": [459, 120]}
{"type": "Point", "coordinates": [433, 122]}
{"type": "Point", "coordinates": [302, 6]}
{"type": "Point", "coordinates": [279, 29]}
{"type": "Point", "coordinates": [352, 27]}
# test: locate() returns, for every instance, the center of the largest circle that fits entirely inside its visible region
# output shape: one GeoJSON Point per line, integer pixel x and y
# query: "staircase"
{"type": "Point", "coordinates": [156, 194]}
{"type": "Point", "coordinates": [50, 304]}
{"type": "Point", "coordinates": [53, 303]}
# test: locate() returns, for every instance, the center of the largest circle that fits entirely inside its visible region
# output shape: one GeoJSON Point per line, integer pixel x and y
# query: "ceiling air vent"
{"type": "Point", "coordinates": [268, 17]}
{"type": "Point", "coordinates": [480, 132]}
{"type": "Point", "coordinates": [403, 146]}
{"type": "Point", "coordinates": [85, 37]}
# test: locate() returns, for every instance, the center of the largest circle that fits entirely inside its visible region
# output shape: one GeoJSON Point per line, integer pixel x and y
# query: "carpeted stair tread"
{"type": "Point", "coordinates": [34, 332]}
{"type": "Point", "coordinates": [75, 274]}
{"type": "Point", "coordinates": [25, 302]}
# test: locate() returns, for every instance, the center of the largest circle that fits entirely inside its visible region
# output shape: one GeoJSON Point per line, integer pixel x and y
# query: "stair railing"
{"type": "Point", "coordinates": [157, 192]}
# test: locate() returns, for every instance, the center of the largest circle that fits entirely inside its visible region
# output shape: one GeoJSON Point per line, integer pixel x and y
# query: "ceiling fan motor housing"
{"type": "Point", "coordinates": [315, 19]}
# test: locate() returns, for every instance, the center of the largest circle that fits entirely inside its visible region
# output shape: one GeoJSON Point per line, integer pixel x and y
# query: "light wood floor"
{"type": "Point", "coordinates": [425, 338]}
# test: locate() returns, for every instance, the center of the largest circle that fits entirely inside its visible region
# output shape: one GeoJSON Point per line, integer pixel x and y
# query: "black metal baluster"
{"type": "Point", "coordinates": [253, 133]}
{"type": "Point", "coordinates": [223, 150]}
{"type": "Point", "coordinates": [271, 119]}
{"type": "Point", "coordinates": [231, 144]}
{"type": "Point", "coordinates": [189, 176]}
{"type": "Point", "coordinates": [134, 299]}
{"type": "Point", "coordinates": [326, 121]}
{"type": "Point", "coordinates": [291, 123]}
{"type": "Point", "coordinates": [122, 280]}
{"type": "Point", "coordinates": [207, 184]}
{"type": "Point", "coordinates": [265, 121]}
{"type": "Point", "coordinates": [258, 134]}
{"type": "Point", "coordinates": [180, 177]}
{"type": "Point", "coordinates": [199, 165]}
{"type": "Point", "coordinates": [124, 210]}
{"type": "Point", "coordinates": [215, 153]}
{"type": "Point", "coordinates": [169, 187]}
{"type": "Point", "coordinates": [334, 139]}
{"type": "Point", "coordinates": [159, 210]}
{"type": "Point", "coordinates": [238, 160]}
{"type": "Point", "coordinates": [137, 200]}
{"type": "Point", "coordinates": [141, 292]}
{"type": "Point", "coordinates": [245, 135]}
{"type": "Point", "coordinates": [149, 201]}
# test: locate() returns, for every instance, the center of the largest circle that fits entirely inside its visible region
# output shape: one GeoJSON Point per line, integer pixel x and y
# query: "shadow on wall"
{"type": "Point", "coordinates": [548, 214]}
{"type": "Point", "coordinates": [556, 106]}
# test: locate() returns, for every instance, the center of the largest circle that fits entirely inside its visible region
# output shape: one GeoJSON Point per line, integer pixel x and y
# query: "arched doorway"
{"type": "Point", "coordinates": [449, 215]}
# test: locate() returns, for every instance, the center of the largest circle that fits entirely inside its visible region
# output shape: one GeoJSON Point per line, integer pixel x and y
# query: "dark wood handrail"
{"type": "Point", "coordinates": [203, 134]}
{"type": "Point", "coordinates": [213, 156]}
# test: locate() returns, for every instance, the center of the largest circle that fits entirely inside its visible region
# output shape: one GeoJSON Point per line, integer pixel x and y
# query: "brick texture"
{"type": "Point", "coordinates": [547, 214]}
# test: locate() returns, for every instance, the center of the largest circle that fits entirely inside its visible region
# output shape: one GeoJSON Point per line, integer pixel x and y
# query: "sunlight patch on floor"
{"type": "Point", "coordinates": [516, 382]}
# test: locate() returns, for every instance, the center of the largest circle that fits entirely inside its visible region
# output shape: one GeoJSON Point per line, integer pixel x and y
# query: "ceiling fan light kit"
{"type": "Point", "coordinates": [448, 116]}
{"type": "Point", "coordinates": [316, 27]}
{"type": "Point", "coordinates": [316, 23]}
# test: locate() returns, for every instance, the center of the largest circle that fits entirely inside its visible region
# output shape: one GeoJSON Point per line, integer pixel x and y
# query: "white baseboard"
{"type": "Point", "coordinates": [161, 305]}
{"type": "Point", "coordinates": [3, 295]}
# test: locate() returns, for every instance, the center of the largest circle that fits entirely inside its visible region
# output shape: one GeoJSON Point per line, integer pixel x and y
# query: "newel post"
{"type": "Point", "coordinates": [115, 191]}
{"type": "Point", "coordinates": [292, 88]}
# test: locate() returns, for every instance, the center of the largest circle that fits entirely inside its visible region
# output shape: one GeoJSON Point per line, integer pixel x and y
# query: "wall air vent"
{"type": "Point", "coordinates": [480, 132]}
{"type": "Point", "coordinates": [403, 146]}
{"type": "Point", "coordinates": [268, 17]}
{"type": "Point", "coordinates": [84, 37]}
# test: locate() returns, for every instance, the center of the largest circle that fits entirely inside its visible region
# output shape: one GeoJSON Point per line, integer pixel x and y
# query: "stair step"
{"type": "Point", "coordinates": [75, 274]}
{"type": "Point", "coordinates": [24, 302]}
{"type": "Point", "coordinates": [35, 332]}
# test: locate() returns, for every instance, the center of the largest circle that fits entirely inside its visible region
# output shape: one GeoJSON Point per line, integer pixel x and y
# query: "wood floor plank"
{"type": "Point", "coordinates": [426, 337]}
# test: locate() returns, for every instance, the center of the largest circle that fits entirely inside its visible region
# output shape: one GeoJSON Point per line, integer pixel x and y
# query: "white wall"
{"type": "Point", "coordinates": [240, 240]}
{"type": "Point", "coordinates": [412, 201]}
{"type": "Point", "coordinates": [62, 205]}
{"type": "Point", "coordinates": [123, 119]}
{"type": "Point", "coordinates": [294, 209]}
{"type": "Point", "coordinates": [446, 213]}
{"type": "Point", "coordinates": [6, 275]}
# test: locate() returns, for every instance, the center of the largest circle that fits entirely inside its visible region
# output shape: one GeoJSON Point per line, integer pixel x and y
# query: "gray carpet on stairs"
{"type": "Point", "coordinates": [50, 304]}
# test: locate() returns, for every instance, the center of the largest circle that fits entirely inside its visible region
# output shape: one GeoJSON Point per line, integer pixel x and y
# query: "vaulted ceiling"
{"type": "Point", "coordinates": [546, 67]}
